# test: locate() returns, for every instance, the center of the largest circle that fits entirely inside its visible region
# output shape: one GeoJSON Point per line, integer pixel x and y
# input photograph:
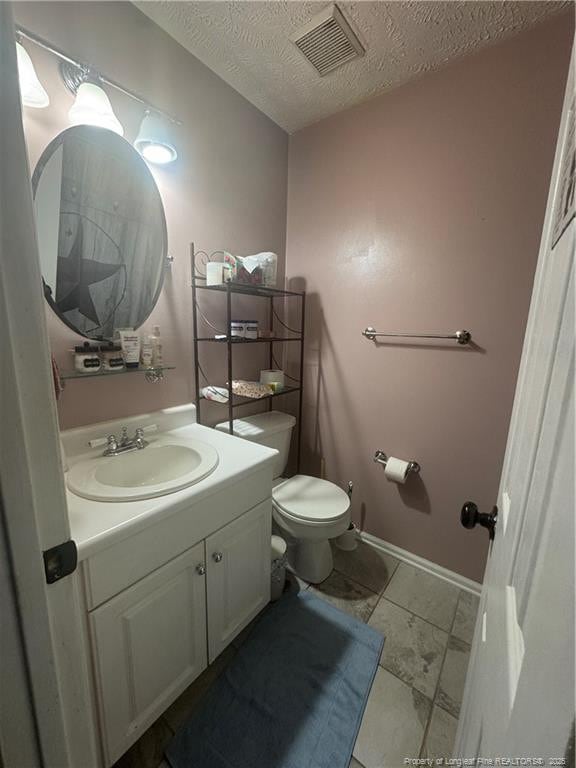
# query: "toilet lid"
{"type": "Point", "coordinates": [310, 498]}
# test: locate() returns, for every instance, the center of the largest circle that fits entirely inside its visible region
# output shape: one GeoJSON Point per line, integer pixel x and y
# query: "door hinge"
{"type": "Point", "coordinates": [60, 561]}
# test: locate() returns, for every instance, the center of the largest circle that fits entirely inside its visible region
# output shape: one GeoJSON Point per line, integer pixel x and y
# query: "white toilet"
{"type": "Point", "coordinates": [309, 511]}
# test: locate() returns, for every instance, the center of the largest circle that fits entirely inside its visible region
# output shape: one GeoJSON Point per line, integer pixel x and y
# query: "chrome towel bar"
{"type": "Point", "coordinates": [462, 337]}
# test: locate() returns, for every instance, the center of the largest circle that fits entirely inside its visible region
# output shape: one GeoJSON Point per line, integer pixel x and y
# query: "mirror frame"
{"type": "Point", "coordinates": [43, 161]}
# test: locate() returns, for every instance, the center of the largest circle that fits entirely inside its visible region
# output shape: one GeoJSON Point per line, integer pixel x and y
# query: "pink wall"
{"type": "Point", "coordinates": [226, 190]}
{"type": "Point", "coordinates": [422, 210]}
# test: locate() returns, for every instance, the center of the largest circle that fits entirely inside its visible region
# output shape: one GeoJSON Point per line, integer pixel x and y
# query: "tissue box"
{"type": "Point", "coordinates": [256, 277]}
{"type": "Point", "coordinates": [259, 269]}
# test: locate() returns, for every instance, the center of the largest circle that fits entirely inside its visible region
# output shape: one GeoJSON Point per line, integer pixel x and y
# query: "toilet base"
{"type": "Point", "coordinates": [311, 559]}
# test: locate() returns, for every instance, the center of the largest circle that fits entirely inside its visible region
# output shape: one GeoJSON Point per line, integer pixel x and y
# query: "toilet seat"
{"type": "Point", "coordinates": [307, 499]}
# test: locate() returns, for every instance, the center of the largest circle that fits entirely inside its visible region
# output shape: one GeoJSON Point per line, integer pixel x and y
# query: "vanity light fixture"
{"type": "Point", "coordinates": [153, 141]}
{"type": "Point", "coordinates": [31, 89]}
{"type": "Point", "coordinates": [92, 105]}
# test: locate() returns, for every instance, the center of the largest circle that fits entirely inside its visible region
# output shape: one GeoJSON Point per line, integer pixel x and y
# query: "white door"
{"type": "Point", "coordinates": [150, 644]}
{"type": "Point", "coordinates": [44, 674]}
{"type": "Point", "coordinates": [238, 570]}
{"type": "Point", "coordinates": [519, 696]}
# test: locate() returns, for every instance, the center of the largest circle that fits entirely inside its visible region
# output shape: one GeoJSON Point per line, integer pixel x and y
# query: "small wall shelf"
{"type": "Point", "coordinates": [154, 373]}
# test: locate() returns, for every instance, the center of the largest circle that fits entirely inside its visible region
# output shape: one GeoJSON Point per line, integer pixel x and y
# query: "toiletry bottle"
{"type": "Point", "coordinates": [157, 354]}
{"type": "Point", "coordinates": [147, 352]}
{"type": "Point", "coordinates": [130, 342]}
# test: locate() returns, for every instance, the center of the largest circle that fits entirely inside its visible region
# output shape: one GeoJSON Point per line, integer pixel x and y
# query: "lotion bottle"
{"type": "Point", "coordinates": [147, 353]}
{"type": "Point", "coordinates": [130, 342]}
{"type": "Point", "coordinates": [156, 341]}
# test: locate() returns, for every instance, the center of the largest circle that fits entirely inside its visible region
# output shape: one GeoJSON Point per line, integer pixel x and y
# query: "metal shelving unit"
{"type": "Point", "coordinates": [229, 289]}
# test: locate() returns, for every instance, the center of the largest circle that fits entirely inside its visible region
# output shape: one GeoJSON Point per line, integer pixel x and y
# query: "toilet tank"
{"type": "Point", "coordinates": [273, 429]}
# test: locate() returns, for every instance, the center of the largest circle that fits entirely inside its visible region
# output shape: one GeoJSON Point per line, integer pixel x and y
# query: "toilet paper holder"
{"type": "Point", "coordinates": [381, 458]}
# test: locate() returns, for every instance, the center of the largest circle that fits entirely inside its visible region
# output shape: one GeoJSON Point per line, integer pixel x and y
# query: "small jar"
{"type": "Point", "coordinates": [238, 329]}
{"type": "Point", "coordinates": [251, 329]}
{"type": "Point", "coordinates": [111, 355]}
{"type": "Point", "coordinates": [86, 358]}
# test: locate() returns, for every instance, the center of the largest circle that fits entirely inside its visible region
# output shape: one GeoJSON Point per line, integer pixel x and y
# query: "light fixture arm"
{"type": "Point", "coordinates": [73, 75]}
{"type": "Point", "coordinates": [89, 71]}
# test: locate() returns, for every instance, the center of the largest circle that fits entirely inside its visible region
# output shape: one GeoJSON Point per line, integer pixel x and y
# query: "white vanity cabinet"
{"type": "Point", "coordinates": [149, 643]}
{"type": "Point", "coordinates": [238, 570]}
{"type": "Point", "coordinates": [153, 638]}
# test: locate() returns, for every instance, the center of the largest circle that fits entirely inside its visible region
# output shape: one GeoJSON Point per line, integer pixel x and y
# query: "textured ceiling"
{"type": "Point", "coordinates": [247, 44]}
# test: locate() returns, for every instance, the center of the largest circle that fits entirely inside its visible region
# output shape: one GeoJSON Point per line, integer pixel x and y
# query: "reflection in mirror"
{"type": "Point", "coordinates": [101, 231]}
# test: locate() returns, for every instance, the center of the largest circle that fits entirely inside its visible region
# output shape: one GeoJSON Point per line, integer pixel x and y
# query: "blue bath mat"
{"type": "Point", "coordinates": [293, 697]}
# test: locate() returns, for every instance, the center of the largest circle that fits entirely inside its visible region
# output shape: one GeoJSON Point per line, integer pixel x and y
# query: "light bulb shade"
{"type": "Point", "coordinates": [92, 107]}
{"type": "Point", "coordinates": [154, 141]}
{"type": "Point", "coordinates": [31, 90]}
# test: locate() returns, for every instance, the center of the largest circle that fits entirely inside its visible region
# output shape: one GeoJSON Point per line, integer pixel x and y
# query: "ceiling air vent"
{"type": "Point", "coordinates": [328, 40]}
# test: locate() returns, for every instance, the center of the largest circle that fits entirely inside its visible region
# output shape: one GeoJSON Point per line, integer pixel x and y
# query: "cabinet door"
{"type": "Point", "coordinates": [238, 566]}
{"type": "Point", "coordinates": [149, 644]}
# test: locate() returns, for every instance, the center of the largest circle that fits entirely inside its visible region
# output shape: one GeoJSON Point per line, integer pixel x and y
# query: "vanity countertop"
{"type": "Point", "coordinates": [95, 525]}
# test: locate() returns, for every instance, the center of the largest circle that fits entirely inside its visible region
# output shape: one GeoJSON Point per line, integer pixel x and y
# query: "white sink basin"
{"type": "Point", "coordinates": [164, 466]}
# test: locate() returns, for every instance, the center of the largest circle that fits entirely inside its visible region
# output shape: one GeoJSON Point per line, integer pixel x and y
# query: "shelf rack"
{"type": "Point", "coordinates": [236, 340]}
{"type": "Point", "coordinates": [229, 289]}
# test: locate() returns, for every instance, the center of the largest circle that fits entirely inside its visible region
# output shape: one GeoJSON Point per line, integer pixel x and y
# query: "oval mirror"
{"type": "Point", "coordinates": [101, 231]}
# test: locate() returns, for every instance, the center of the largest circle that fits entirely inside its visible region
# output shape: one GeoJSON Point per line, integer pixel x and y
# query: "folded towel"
{"type": "Point", "coordinates": [253, 389]}
{"type": "Point", "coordinates": [218, 394]}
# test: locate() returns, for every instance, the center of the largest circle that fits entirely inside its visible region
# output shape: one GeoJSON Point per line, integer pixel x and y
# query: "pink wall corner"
{"type": "Point", "coordinates": [422, 210]}
{"type": "Point", "coordinates": [226, 190]}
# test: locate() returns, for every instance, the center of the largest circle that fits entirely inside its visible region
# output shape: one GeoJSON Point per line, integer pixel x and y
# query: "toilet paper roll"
{"type": "Point", "coordinates": [396, 470]}
{"type": "Point", "coordinates": [272, 377]}
{"type": "Point", "coordinates": [214, 273]}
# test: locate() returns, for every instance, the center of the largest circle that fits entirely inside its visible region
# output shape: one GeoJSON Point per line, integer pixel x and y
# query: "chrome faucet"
{"type": "Point", "coordinates": [117, 446]}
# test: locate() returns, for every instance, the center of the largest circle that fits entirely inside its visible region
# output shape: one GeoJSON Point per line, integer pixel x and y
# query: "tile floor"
{"type": "Point", "coordinates": [415, 699]}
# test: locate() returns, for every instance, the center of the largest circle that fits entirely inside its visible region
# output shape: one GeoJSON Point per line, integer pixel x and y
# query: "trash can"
{"type": "Point", "coordinates": [278, 569]}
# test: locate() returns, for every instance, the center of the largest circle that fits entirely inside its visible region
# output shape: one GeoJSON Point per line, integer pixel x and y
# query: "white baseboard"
{"type": "Point", "coordinates": [419, 562]}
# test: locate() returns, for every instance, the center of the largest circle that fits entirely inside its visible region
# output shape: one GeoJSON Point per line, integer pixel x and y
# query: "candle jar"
{"type": "Point", "coordinates": [111, 355]}
{"type": "Point", "coordinates": [86, 358]}
{"type": "Point", "coordinates": [238, 329]}
{"type": "Point", "coordinates": [251, 329]}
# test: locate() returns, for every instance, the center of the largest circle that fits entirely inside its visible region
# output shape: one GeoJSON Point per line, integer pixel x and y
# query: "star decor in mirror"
{"type": "Point", "coordinates": [77, 272]}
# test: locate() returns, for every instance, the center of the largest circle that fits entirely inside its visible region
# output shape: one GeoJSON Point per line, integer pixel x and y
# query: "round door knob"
{"type": "Point", "coordinates": [201, 569]}
{"type": "Point", "coordinates": [470, 517]}
{"type": "Point", "coordinates": [217, 557]}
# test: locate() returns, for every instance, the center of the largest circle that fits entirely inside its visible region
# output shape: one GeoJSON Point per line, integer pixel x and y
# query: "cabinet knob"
{"type": "Point", "coordinates": [217, 557]}
{"type": "Point", "coordinates": [201, 569]}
